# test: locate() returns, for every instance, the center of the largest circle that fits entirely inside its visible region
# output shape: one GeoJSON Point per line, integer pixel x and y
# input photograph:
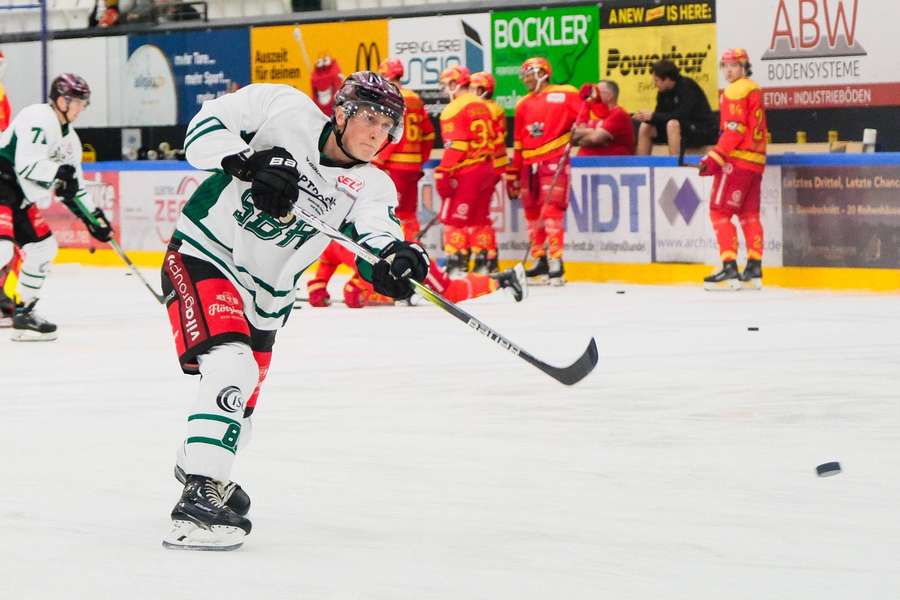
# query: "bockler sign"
{"type": "Point", "coordinates": [567, 37]}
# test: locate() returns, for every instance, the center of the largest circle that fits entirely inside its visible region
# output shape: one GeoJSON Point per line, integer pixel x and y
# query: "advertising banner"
{"type": "Point", "coordinates": [428, 45]}
{"type": "Point", "coordinates": [683, 232]}
{"type": "Point", "coordinates": [70, 232]}
{"type": "Point", "coordinates": [314, 58]}
{"type": "Point", "coordinates": [98, 60]}
{"type": "Point", "coordinates": [150, 204]}
{"type": "Point", "coordinates": [567, 37]}
{"type": "Point", "coordinates": [817, 53]}
{"type": "Point", "coordinates": [169, 76]}
{"type": "Point", "coordinates": [842, 216]}
{"type": "Point", "coordinates": [636, 34]}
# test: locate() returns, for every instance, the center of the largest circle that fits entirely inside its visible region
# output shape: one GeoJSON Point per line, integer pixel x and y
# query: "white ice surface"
{"type": "Point", "coordinates": [398, 456]}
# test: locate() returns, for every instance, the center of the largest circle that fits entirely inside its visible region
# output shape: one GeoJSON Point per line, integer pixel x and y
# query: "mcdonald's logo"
{"type": "Point", "coordinates": [367, 57]}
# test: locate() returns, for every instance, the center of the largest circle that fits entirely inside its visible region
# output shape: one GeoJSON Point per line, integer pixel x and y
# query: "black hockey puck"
{"type": "Point", "coordinates": [620, 291]}
{"type": "Point", "coordinates": [92, 250]}
{"type": "Point", "coordinates": [828, 469]}
{"type": "Point", "coordinates": [753, 329]}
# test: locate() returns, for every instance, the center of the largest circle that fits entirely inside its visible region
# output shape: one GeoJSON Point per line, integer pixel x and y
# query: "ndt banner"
{"type": "Point", "coordinates": [635, 35]}
{"type": "Point", "coordinates": [567, 37]}
{"type": "Point", "coordinates": [315, 58]}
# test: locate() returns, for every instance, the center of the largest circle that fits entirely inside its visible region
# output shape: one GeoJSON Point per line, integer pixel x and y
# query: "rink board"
{"type": "Point", "coordinates": [631, 219]}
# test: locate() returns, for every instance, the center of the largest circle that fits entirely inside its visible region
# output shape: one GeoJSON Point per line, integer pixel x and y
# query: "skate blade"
{"type": "Point", "coordinates": [729, 285]}
{"type": "Point", "coordinates": [753, 284]}
{"type": "Point", "coordinates": [186, 535]}
{"type": "Point", "coordinates": [557, 281]}
{"type": "Point", "coordinates": [27, 335]}
{"type": "Point", "coordinates": [539, 280]}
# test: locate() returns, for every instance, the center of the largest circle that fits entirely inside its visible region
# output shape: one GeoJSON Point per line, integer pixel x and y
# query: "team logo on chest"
{"type": "Point", "coordinates": [535, 129]}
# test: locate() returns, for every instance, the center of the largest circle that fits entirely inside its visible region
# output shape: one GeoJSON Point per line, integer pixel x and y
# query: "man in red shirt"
{"type": "Point", "coordinates": [611, 135]}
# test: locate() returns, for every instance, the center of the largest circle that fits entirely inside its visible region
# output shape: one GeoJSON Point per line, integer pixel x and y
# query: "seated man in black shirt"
{"type": "Point", "coordinates": [682, 118]}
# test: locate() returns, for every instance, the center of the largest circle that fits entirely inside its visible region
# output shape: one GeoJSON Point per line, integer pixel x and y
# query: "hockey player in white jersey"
{"type": "Point", "coordinates": [232, 267]}
{"type": "Point", "coordinates": [41, 150]}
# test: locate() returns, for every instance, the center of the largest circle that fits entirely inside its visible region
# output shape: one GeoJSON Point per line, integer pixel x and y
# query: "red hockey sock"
{"type": "Point", "coordinates": [472, 285]}
{"type": "Point", "coordinates": [726, 235]}
{"type": "Point", "coordinates": [538, 236]}
{"type": "Point", "coordinates": [753, 236]}
{"type": "Point", "coordinates": [455, 239]}
{"type": "Point", "coordinates": [555, 236]}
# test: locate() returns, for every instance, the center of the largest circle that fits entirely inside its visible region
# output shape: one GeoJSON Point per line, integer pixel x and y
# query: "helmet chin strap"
{"type": "Point", "coordinates": [66, 113]}
{"type": "Point", "coordinates": [339, 138]}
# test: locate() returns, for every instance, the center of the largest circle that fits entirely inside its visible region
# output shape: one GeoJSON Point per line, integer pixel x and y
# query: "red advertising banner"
{"type": "Point", "coordinates": [103, 188]}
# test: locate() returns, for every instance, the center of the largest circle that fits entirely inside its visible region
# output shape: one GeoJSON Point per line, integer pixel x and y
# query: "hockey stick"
{"type": "Point", "coordinates": [569, 375]}
{"type": "Point", "coordinates": [118, 249]}
{"type": "Point", "coordinates": [428, 226]}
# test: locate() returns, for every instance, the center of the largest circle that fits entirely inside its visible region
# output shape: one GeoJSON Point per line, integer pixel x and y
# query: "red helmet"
{"type": "Point", "coordinates": [457, 74]}
{"type": "Point", "coordinates": [69, 85]}
{"type": "Point", "coordinates": [735, 55]}
{"type": "Point", "coordinates": [369, 89]}
{"type": "Point", "coordinates": [392, 68]}
{"type": "Point", "coordinates": [485, 81]}
{"type": "Point", "coordinates": [535, 63]}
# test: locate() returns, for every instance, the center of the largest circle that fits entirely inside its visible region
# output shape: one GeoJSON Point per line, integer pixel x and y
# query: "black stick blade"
{"type": "Point", "coordinates": [575, 372]}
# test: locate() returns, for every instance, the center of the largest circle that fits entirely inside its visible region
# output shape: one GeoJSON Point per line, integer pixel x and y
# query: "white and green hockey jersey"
{"type": "Point", "coordinates": [262, 256]}
{"type": "Point", "coordinates": [37, 145]}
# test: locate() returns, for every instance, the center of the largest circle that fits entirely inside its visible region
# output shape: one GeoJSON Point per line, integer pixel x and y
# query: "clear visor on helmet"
{"type": "Point", "coordinates": [376, 115]}
{"type": "Point", "coordinates": [85, 99]}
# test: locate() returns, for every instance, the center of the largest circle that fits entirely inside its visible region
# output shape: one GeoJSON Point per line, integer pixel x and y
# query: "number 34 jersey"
{"type": "Point", "coordinates": [261, 255]}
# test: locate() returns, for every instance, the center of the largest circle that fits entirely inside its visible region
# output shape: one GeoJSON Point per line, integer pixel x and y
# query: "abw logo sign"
{"type": "Point", "coordinates": [814, 29]}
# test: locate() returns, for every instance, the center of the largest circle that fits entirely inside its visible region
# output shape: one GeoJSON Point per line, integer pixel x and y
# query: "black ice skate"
{"type": "Point", "coordinates": [515, 280]}
{"type": "Point", "coordinates": [538, 273]}
{"type": "Point", "coordinates": [480, 264]}
{"type": "Point", "coordinates": [457, 264]}
{"type": "Point", "coordinates": [556, 271]}
{"type": "Point", "coordinates": [234, 495]}
{"type": "Point", "coordinates": [493, 265]}
{"type": "Point", "coordinates": [202, 521]}
{"type": "Point", "coordinates": [752, 275]}
{"type": "Point", "coordinates": [727, 279]}
{"type": "Point", "coordinates": [28, 326]}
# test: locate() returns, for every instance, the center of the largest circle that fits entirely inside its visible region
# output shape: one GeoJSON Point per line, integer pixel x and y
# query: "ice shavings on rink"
{"type": "Point", "coordinates": [397, 455]}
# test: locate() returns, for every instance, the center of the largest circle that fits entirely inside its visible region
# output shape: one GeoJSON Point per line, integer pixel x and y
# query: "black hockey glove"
{"type": "Point", "coordinates": [98, 226]}
{"type": "Point", "coordinates": [66, 183]}
{"type": "Point", "coordinates": [399, 261]}
{"type": "Point", "coordinates": [274, 177]}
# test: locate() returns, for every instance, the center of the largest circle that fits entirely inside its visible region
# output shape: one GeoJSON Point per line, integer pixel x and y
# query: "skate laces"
{"type": "Point", "coordinates": [212, 491]}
